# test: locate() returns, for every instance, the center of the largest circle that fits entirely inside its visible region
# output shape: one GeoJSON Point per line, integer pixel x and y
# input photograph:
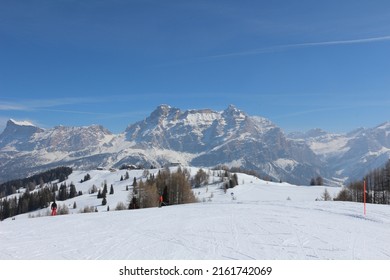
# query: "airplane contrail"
{"type": "Point", "coordinates": [309, 44]}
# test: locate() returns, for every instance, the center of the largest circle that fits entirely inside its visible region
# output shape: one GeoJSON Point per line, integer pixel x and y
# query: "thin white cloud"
{"type": "Point", "coordinates": [352, 105]}
{"type": "Point", "coordinates": [286, 47]}
{"type": "Point", "coordinates": [41, 104]}
{"type": "Point", "coordinates": [346, 42]}
{"type": "Point", "coordinates": [11, 107]}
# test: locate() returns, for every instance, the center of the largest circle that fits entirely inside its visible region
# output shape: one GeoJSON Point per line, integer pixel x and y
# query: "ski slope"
{"type": "Point", "coordinates": [255, 220]}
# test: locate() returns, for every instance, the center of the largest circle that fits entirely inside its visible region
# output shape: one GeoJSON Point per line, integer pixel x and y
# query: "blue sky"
{"type": "Point", "coordinates": [302, 64]}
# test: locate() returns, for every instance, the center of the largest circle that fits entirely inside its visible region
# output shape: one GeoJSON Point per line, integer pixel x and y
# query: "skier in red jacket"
{"type": "Point", "coordinates": [161, 201]}
{"type": "Point", "coordinates": [54, 208]}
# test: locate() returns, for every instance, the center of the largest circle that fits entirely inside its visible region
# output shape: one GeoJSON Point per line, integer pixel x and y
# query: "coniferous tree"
{"type": "Point", "coordinates": [104, 192]}
{"type": "Point", "coordinates": [165, 195]}
{"type": "Point", "coordinates": [93, 189]}
{"type": "Point", "coordinates": [133, 203]}
{"type": "Point", "coordinates": [319, 181]}
{"type": "Point", "coordinates": [235, 179]}
{"type": "Point", "coordinates": [112, 189]}
{"type": "Point", "coordinates": [72, 191]}
{"type": "Point", "coordinates": [63, 193]}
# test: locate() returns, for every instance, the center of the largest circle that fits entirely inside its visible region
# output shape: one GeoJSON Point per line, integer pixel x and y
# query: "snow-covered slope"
{"type": "Point", "coordinates": [255, 220]}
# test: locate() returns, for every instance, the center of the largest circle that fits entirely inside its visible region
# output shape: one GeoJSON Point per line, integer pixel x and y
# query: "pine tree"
{"type": "Point", "coordinates": [235, 179]}
{"type": "Point", "coordinates": [63, 193]}
{"type": "Point", "coordinates": [72, 191]}
{"type": "Point", "coordinates": [104, 193]}
{"type": "Point", "coordinates": [319, 181]}
{"type": "Point", "coordinates": [133, 203]}
{"type": "Point", "coordinates": [112, 189]}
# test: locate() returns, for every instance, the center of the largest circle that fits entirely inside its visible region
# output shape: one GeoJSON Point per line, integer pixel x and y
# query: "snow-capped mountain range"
{"type": "Point", "coordinates": [350, 155]}
{"type": "Point", "coordinates": [199, 138]}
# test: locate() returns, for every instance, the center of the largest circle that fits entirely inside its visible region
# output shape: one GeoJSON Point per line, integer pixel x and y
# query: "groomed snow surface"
{"type": "Point", "coordinates": [260, 220]}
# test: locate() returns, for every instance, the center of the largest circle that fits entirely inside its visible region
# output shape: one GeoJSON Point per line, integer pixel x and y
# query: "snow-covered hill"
{"type": "Point", "coordinates": [254, 220]}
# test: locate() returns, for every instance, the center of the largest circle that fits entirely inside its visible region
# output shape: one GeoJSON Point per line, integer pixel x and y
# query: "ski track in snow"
{"type": "Point", "coordinates": [260, 224]}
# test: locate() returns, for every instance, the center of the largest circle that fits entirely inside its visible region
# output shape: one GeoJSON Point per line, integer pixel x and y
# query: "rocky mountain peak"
{"type": "Point", "coordinates": [12, 122]}
{"type": "Point", "coordinates": [18, 131]}
{"type": "Point", "coordinates": [161, 113]}
{"type": "Point", "coordinates": [198, 137]}
{"type": "Point", "coordinates": [384, 126]}
{"type": "Point", "coordinates": [232, 111]}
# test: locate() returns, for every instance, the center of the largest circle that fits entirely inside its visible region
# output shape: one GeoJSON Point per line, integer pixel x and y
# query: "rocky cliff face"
{"type": "Point", "coordinates": [230, 137]}
{"type": "Point", "coordinates": [195, 137]}
{"type": "Point", "coordinates": [17, 134]}
{"type": "Point", "coordinates": [25, 148]}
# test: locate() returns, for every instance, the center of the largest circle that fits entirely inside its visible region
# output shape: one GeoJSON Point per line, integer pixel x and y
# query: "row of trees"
{"type": "Point", "coordinates": [172, 187]}
{"type": "Point", "coordinates": [66, 192]}
{"type": "Point", "coordinates": [29, 201]}
{"type": "Point", "coordinates": [34, 200]}
{"type": "Point", "coordinates": [317, 181]}
{"type": "Point", "coordinates": [11, 187]}
{"type": "Point", "coordinates": [377, 187]}
{"type": "Point", "coordinates": [103, 194]}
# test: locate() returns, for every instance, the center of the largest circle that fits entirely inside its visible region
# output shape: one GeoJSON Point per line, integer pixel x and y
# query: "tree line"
{"type": "Point", "coordinates": [12, 187]}
{"type": "Point", "coordinates": [166, 188]}
{"type": "Point", "coordinates": [377, 187]}
{"type": "Point", "coordinates": [34, 200]}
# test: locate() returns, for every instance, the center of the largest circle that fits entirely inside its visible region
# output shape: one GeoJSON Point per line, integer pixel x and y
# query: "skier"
{"type": "Point", "coordinates": [161, 201]}
{"type": "Point", "coordinates": [54, 208]}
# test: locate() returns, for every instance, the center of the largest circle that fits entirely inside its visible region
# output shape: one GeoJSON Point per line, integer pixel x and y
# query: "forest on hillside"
{"type": "Point", "coordinates": [11, 187]}
{"type": "Point", "coordinates": [377, 187]}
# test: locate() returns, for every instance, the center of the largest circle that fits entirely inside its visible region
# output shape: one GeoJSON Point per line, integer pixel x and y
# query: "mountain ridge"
{"type": "Point", "coordinates": [201, 137]}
